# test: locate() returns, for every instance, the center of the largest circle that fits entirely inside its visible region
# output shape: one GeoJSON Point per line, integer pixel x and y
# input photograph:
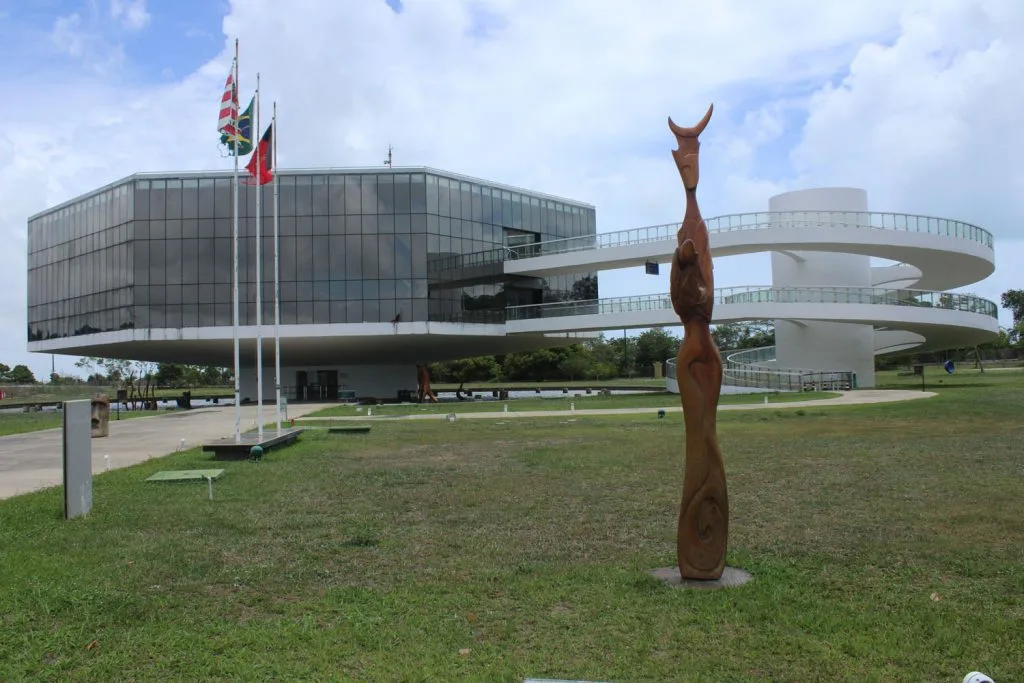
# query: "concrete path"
{"type": "Point", "coordinates": [32, 461]}
{"type": "Point", "coordinates": [847, 398]}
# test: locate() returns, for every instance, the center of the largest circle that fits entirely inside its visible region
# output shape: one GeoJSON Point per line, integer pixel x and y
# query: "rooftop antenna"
{"type": "Point", "coordinates": [387, 162]}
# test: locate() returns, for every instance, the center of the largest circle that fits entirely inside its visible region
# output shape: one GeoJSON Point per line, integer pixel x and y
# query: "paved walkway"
{"type": "Point", "coordinates": [849, 398]}
{"type": "Point", "coordinates": [32, 461]}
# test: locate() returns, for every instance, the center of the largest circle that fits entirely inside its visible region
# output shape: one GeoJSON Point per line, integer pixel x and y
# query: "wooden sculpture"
{"type": "Point", "coordinates": [423, 389]}
{"type": "Point", "coordinates": [704, 511]}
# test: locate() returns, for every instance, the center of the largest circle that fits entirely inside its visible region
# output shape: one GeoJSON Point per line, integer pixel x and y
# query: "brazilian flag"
{"type": "Point", "coordinates": [244, 133]}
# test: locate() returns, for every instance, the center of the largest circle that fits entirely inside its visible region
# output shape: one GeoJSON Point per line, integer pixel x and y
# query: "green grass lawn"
{"type": "Point", "coordinates": [936, 379]}
{"type": "Point", "coordinates": [20, 423]}
{"type": "Point", "coordinates": [659, 399]}
{"type": "Point", "coordinates": [885, 541]}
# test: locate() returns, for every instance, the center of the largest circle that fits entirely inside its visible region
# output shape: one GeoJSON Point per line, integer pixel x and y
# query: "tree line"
{"type": "Point", "coordinates": [19, 374]}
{"type": "Point", "coordinates": [604, 357]}
{"type": "Point", "coordinates": [106, 371]}
{"type": "Point", "coordinates": [1013, 301]}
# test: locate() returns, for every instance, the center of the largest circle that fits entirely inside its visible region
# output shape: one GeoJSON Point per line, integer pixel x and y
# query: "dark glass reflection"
{"type": "Point", "coordinates": [354, 247]}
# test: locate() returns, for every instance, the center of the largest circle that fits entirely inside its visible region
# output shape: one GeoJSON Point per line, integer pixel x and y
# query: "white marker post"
{"type": "Point", "coordinates": [277, 274]}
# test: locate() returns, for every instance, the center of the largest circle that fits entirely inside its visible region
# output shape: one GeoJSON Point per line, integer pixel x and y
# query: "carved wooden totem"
{"type": "Point", "coordinates": [704, 511]}
{"type": "Point", "coordinates": [423, 389]}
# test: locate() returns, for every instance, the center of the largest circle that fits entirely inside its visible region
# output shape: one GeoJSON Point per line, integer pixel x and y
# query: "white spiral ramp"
{"type": "Point", "coordinates": [833, 311]}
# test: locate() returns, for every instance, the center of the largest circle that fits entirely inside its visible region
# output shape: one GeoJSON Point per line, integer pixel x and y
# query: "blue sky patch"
{"type": "Point", "coordinates": [85, 37]}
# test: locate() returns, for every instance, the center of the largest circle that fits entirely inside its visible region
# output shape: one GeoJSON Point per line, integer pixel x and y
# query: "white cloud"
{"type": "Point", "coordinates": [75, 36]}
{"type": "Point", "coordinates": [917, 101]}
{"type": "Point", "coordinates": [68, 36]}
{"type": "Point", "coordinates": [933, 119]}
{"type": "Point", "coordinates": [131, 14]}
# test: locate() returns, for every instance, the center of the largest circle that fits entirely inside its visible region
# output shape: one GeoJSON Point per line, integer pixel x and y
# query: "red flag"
{"type": "Point", "coordinates": [264, 152]}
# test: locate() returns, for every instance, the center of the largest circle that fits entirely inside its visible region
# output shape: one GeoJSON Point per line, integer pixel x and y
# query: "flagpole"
{"type": "Point", "coordinates": [277, 277]}
{"type": "Point", "coordinates": [259, 273]}
{"type": "Point", "coordinates": [234, 229]}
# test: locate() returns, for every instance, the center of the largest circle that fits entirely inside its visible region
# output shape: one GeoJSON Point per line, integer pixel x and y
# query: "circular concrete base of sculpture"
{"type": "Point", "coordinates": [731, 578]}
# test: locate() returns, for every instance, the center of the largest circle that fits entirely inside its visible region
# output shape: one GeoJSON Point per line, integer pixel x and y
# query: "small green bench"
{"type": "Point", "coordinates": [185, 475]}
{"type": "Point", "coordinates": [188, 475]}
{"type": "Point", "coordinates": [349, 429]}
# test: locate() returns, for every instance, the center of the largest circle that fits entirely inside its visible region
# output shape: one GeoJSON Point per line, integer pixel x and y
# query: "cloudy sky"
{"type": "Point", "coordinates": [918, 101]}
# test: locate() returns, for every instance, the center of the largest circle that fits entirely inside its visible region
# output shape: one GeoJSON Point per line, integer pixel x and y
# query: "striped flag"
{"type": "Point", "coordinates": [228, 122]}
{"type": "Point", "coordinates": [243, 133]}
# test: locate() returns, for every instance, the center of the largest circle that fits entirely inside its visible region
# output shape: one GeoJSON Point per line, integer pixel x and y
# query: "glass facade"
{"type": "Point", "coordinates": [80, 266]}
{"type": "Point", "coordinates": [156, 251]}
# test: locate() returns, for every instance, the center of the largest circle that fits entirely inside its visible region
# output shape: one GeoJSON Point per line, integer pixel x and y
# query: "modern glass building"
{"type": "Point", "coordinates": [371, 280]}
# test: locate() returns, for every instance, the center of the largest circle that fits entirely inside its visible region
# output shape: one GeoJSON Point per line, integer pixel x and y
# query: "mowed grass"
{"type": "Point", "coordinates": [937, 379]}
{"type": "Point", "coordinates": [21, 423]}
{"type": "Point", "coordinates": [885, 541]}
{"type": "Point", "coordinates": [654, 399]}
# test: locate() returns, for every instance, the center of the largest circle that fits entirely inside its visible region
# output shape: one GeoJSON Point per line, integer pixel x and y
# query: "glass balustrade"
{"type": "Point", "coordinates": [764, 295]}
{"type": "Point", "coordinates": [761, 354]}
{"type": "Point", "coordinates": [748, 360]}
{"type": "Point", "coordinates": [868, 220]}
{"type": "Point", "coordinates": [781, 379]}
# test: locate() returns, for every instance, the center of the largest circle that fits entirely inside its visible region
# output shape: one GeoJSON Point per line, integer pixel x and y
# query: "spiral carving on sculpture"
{"type": "Point", "coordinates": [706, 513]}
{"type": "Point", "coordinates": [703, 530]}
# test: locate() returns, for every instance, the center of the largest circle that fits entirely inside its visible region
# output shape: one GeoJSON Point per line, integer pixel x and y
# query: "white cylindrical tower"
{"type": "Point", "coordinates": [819, 345]}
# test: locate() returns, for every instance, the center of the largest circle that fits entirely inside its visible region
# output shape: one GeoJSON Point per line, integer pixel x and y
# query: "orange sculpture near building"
{"type": "Point", "coordinates": [423, 389]}
{"type": "Point", "coordinates": [704, 511]}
